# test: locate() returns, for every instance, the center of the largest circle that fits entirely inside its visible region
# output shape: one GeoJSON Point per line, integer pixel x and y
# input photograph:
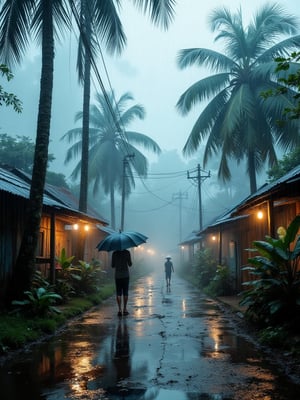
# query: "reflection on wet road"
{"type": "Point", "coordinates": [174, 345]}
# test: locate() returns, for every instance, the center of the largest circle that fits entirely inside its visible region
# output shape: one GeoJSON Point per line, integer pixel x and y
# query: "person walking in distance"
{"type": "Point", "coordinates": [168, 270]}
{"type": "Point", "coordinates": [121, 261]}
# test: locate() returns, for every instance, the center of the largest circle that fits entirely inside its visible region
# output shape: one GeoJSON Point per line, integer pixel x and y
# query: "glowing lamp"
{"type": "Point", "coordinates": [260, 215]}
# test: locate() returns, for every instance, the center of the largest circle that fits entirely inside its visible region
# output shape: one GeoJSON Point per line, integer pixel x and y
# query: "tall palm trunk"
{"type": "Point", "coordinates": [25, 263]}
{"type": "Point", "coordinates": [84, 172]}
{"type": "Point", "coordinates": [86, 110]}
{"type": "Point", "coordinates": [251, 171]}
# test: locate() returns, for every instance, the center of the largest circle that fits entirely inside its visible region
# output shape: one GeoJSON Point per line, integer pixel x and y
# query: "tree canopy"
{"type": "Point", "coordinates": [282, 167]}
{"type": "Point", "coordinates": [108, 147]}
{"type": "Point", "coordinates": [290, 80]}
{"type": "Point", "coordinates": [237, 123]}
{"type": "Point", "coordinates": [9, 99]}
{"type": "Point", "coordinates": [18, 152]}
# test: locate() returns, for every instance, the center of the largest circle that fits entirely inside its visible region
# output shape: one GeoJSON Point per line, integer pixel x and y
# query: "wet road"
{"type": "Point", "coordinates": [174, 345]}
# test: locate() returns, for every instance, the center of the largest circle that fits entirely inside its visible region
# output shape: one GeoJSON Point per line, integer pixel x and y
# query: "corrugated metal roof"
{"type": "Point", "coordinates": [13, 184]}
{"type": "Point", "coordinates": [220, 221]}
{"type": "Point", "coordinates": [68, 199]}
{"type": "Point", "coordinates": [59, 198]}
{"type": "Point", "coordinates": [291, 176]}
{"type": "Point", "coordinates": [193, 237]}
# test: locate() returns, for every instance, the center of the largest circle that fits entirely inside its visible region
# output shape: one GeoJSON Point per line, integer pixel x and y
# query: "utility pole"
{"type": "Point", "coordinates": [199, 178]}
{"type": "Point", "coordinates": [125, 163]}
{"type": "Point", "coordinates": [180, 196]}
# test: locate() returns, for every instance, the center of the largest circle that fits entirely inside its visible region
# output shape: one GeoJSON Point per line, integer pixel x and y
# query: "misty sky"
{"type": "Point", "coordinates": [147, 68]}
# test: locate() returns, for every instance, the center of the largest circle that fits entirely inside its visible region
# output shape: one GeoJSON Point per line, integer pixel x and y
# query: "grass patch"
{"type": "Point", "coordinates": [17, 330]}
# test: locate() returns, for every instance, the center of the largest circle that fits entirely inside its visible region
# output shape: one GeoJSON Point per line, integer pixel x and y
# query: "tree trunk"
{"type": "Point", "coordinates": [86, 111]}
{"type": "Point", "coordinates": [25, 263]}
{"type": "Point", "coordinates": [252, 172]}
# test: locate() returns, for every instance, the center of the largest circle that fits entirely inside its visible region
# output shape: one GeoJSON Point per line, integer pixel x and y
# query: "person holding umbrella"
{"type": "Point", "coordinates": [119, 242]}
{"type": "Point", "coordinates": [121, 261]}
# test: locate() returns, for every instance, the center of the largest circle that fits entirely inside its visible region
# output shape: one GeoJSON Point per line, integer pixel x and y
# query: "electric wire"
{"type": "Point", "coordinates": [96, 72]}
{"type": "Point", "coordinates": [116, 117]}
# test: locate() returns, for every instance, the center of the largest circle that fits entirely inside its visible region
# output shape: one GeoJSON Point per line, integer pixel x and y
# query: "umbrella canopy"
{"type": "Point", "coordinates": [121, 241]}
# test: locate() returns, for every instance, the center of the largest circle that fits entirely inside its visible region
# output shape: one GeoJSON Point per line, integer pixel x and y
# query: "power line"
{"type": "Point", "coordinates": [97, 74]}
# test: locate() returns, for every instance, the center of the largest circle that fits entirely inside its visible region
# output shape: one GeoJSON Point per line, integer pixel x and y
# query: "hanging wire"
{"type": "Point", "coordinates": [117, 121]}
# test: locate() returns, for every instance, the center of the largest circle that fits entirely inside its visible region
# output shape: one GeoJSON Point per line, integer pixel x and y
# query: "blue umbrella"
{"type": "Point", "coordinates": [121, 241]}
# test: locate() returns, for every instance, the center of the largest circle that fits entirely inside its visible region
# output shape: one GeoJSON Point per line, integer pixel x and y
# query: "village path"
{"type": "Point", "coordinates": [175, 344]}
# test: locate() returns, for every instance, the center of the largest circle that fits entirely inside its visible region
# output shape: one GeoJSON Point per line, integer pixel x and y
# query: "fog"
{"type": "Point", "coordinates": [147, 68]}
{"type": "Point", "coordinates": [155, 209]}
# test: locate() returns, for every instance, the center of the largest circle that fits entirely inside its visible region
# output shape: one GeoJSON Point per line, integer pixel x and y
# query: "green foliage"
{"type": "Point", "coordinates": [63, 283]}
{"type": "Point", "coordinates": [220, 285]}
{"type": "Point", "coordinates": [9, 99]}
{"type": "Point", "coordinates": [290, 83]}
{"type": "Point", "coordinates": [105, 292]}
{"type": "Point", "coordinates": [38, 280]}
{"type": "Point", "coordinates": [18, 330]}
{"type": "Point", "coordinates": [86, 277]}
{"type": "Point", "coordinates": [204, 268]}
{"type": "Point", "coordinates": [10, 150]}
{"type": "Point", "coordinates": [235, 118]}
{"type": "Point", "coordinates": [273, 296]}
{"type": "Point", "coordinates": [285, 165]}
{"type": "Point", "coordinates": [106, 158]}
{"type": "Point", "coordinates": [63, 261]}
{"type": "Point", "coordinates": [75, 280]}
{"type": "Point", "coordinates": [39, 302]}
{"type": "Point", "coordinates": [56, 179]}
{"type": "Point", "coordinates": [273, 336]}
{"type": "Point", "coordinates": [15, 331]}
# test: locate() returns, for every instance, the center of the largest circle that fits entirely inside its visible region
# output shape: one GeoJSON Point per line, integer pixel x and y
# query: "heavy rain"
{"type": "Point", "coordinates": [174, 344]}
{"type": "Point", "coordinates": [167, 124]}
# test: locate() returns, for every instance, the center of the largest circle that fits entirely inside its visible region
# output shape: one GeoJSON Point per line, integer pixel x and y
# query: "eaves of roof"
{"type": "Point", "coordinates": [15, 185]}
{"type": "Point", "coordinates": [221, 221]}
{"type": "Point", "coordinates": [271, 188]}
{"type": "Point", "coordinates": [265, 191]}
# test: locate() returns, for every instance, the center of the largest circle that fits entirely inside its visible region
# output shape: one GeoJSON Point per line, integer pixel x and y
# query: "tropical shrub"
{"type": "Point", "coordinates": [273, 297]}
{"type": "Point", "coordinates": [86, 277]}
{"type": "Point", "coordinates": [204, 268]}
{"type": "Point", "coordinates": [64, 264]}
{"type": "Point", "coordinates": [39, 302]}
{"type": "Point", "coordinates": [63, 282]}
{"type": "Point", "coordinates": [220, 285]}
{"type": "Point", "coordinates": [273, 336]}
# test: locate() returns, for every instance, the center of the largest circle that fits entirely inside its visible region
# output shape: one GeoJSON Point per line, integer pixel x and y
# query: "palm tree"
{"type": "Point", "coordinates": [44, 18]}
{"type": "Point", "coordinates": [237, 121]}
{"type": "Point", "coordinates": [18, 19]}
{"type": "Point", "coordinates": [91, 18]}
{"type": "Point", "coordinates": [108, 146]}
